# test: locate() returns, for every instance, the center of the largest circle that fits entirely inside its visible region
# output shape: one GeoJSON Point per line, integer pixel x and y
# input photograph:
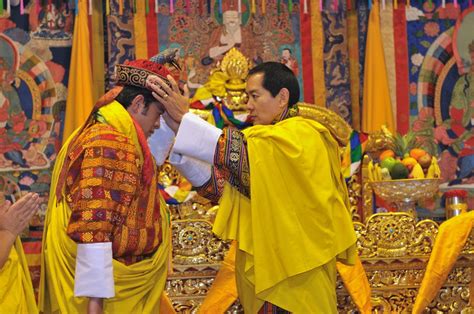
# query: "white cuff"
{"type": "Point", "coordinates": [195, 171]}
{"type": "Point", "coordinates": [196, 138]}
{"type": "Point", "coordinates": [160, 142]}
{"type": "Point", "coordinates": [94, 272]}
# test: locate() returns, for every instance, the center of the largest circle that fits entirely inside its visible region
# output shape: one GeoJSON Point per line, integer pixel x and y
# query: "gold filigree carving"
{"type": "Point", "coordinates": [367, 192]}
{"type": "Point", "coordinates": [355, 196]}
{"type": "Point", "coordinates": [336, 125]}
{"type": "Point", "coordinates": [169, 175]}
{"type": "Point", "coordinates": [395, 235]}
{"type": "Point", "coordinates": [379, 141]}
{"type": "Point", "coordinates": [236, 66]}
{"type": "Point", "coordinates": [451, 300]}
{"type": "Point", "coordinates": [194, 243]}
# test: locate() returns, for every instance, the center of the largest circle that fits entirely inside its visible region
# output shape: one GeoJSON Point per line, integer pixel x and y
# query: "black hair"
{"type": "Point", "coordinates": [128, 93]}
{"type": "Point", "coordinates": [287, 49]}
{"type": "Point", "coordinates": [277, 76]}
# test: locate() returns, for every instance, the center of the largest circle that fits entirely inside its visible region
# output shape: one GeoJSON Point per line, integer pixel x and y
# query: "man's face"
{"type": "Point", "coordinates": [231, 19]}
{"type": "Point", "coordinates": [263, 107]}
{"type": "Point", "coordinates": [286, 54]}
{"type": "Point", "coordinates": [148, 118]}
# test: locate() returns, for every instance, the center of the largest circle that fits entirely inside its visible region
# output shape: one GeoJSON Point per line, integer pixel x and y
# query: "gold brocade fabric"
{"type": "Point", "coordinates": [16, 289]}
{"type": "Point", "coordinates": [138, 286]}
{"type": "Point", "coordinates": [302, 205]}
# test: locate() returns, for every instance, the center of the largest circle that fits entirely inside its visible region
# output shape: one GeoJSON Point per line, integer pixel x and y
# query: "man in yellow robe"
{"type": "Point", "coordinates": [16, 289]}
{"type": "Point", "coordinates": [284, 198]}
{"type": "Point", "coordinates": [106, 237]}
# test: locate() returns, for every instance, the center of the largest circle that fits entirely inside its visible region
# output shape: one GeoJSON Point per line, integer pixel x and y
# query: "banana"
{"type": "Point", "coordinates": [430, 174]}
{"type": "Point", "coordinates": [385, 174]}
{"type": "Point", "coordinates": [436, 170]}
{"type": "Point", "coordinates": [370, 171]}
{"type": "Point", "coordinates": [417, 172]}
{"type": "Point", "coordinates": [378, 172]}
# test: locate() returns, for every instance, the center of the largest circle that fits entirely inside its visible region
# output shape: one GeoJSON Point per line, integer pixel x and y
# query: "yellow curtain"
{"type": "Point", "coordinates": [139, 31]}
{"type": "Point", "coordinates": [452, 235]}
{"type": "Point", "coordinates": [353, 50]}
{"type": "Point", "coordinates": [317, 37]}
{"type": "Point", "coordinates": [377, 107]}
{"type": "Point", "coordinates": [79, 98]}
{"type": "Point", "coordinates": [16, 289]}
{"type": "Point", "coordinates": [98, 62]}
{"type": "Point", "coordinates": [386, 24]}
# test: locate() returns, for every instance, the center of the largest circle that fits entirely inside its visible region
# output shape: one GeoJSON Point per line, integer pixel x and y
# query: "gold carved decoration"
{"type": "Point", "coordinates": [355, 196]}
{"type": "Point", "coordinates": [367, 192]}
{"type": "Point", "coordinates": [391, 235]}
{"type": "Point", "coordinates": [336, 125]}
{"type": "Point", "coordinates": [169, 175]}
{"type": "Point", "coordinates": [379, 141]}
{"type": "Point", "coordinates": [236, 66]}
{"type": "Point", "coordinates": [194, 243]}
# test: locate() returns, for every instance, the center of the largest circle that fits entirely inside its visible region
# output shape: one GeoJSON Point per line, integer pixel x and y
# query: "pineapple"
{"type": "Point", "coordinates": [403, 144]}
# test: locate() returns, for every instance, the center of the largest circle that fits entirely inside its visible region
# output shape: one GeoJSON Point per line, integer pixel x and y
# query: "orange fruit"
{"type": "Point", "coordinates": [409, 162]}
{"type": "Point", "coordinates": [386, 153]}
{"type": "Point", "coordinates": [417, 153]}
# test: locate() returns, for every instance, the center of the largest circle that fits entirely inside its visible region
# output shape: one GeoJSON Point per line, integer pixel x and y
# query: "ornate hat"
{"type": "Point", "coordinates": [136, 72]}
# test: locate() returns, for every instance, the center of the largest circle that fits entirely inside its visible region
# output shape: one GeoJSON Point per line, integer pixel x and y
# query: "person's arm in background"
{"type": "Point", "coordinates": [13, 219]}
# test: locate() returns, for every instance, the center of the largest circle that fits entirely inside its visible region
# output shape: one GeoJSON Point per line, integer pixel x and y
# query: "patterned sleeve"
{"type": "Point", "coordinates": [230, 164]}
{"type": "Point", "coordinates": [100, 186]}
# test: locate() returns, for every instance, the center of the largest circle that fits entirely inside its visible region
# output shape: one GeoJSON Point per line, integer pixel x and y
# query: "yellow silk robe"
{"type": "Point", "coordinates": [16, 288]}
{"type": "Point", "coordinates": [297, 222]}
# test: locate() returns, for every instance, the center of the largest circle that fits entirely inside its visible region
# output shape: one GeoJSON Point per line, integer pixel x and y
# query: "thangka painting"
{"type": "Point", "coordinates": [204, 35]}
{"type": "Point", "coordinates": [441, 51]}
{"type": "Point", "coordinates": [34, 55]}
{"type": "Point", "coordinates": [204, 39]}
{"type": "Point", "coordinates": [35, 46]}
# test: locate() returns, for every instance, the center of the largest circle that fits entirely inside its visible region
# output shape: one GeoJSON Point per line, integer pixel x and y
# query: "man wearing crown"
{"type": "Point", "coordinates": [106, 235]}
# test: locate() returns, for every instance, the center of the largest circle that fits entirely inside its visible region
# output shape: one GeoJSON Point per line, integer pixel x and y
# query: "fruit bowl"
{"type": "Point", "coordinates": [404, 193]}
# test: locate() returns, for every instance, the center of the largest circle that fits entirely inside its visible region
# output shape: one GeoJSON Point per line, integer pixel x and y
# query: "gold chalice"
{"type": "Point", "coordinates": [405, 193]}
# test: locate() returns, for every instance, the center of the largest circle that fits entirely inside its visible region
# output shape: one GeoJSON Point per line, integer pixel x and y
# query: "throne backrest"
{"type": "Point", "coordinates": [336, 125]}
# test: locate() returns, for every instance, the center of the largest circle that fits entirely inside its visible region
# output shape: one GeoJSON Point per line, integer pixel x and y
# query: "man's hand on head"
{"type": "Point", "coordinates": [175, 103]}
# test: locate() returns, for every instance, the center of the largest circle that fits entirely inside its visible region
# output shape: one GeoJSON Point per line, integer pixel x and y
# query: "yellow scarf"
{"type": "Point", "coordinates": [16, 289]}
{"type": "Point", "coordinates": [138, 287]}
{"type": "Point", "coordinates": [297, 220]}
